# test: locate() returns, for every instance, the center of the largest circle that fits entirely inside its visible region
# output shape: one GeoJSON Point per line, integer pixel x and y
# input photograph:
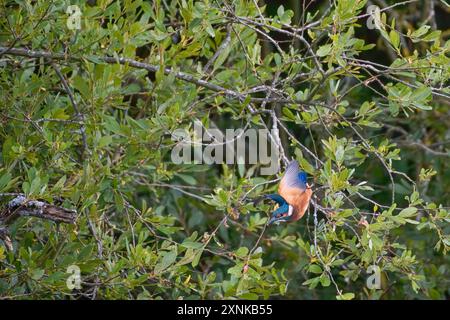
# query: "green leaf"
{"type": "Point", "coordinates": [395, 38]}
{"type": "Point", "coordinates": [37, 274]}
{"type": "Point", "coordinates": [242, 251]}
{"type": "Point", "coordinates": [168, 258]}
{"type": "Point", "coordinates": [280, 11]}
{"type": "Point", "coordinates": [325, 280]}
{"type": "Point", "coordinates": [346, 296]}
{"type": "Point", "coordinates": [421, 94]}
{"type": "Point", "coordinates": [210, 30]}
{"type": "Point", "coordinates": [4, 180]}
{"type": "Point", "coordinates": [408, 212]}
{"type": "Point", "coordinates": [104, 141]}
{"type": "Point", "coordinates": [306, 166]}
{"type": "Point", "coordinates": [187, 178]}
{"type": "Point", "coordinates": [324, 50]}
{"type": "Point", "coordinates": [192, 244]}
{"type": "Point", "coordinates": [59, 185]}
{"type": "Point", "coordinates": [314, 268]}
{"type": "Point", "coordinates": [2, 253]}
{"type": "Point", "coordinates": [81, 85]}
{"type": "Point", "coordinates": [249, 296]}
{"type": "Point", "coordinates": [421, 31]}
{"type": "Point", "coordinates": [197, 257]}
{"type": "Point", "coordinates": [313, 282]}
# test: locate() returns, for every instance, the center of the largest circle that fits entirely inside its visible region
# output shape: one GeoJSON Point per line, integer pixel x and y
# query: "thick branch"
{"type": "Point", "coordinates": [221, 48]}
{"type": "Point", "coordinates": [21, 206]}
{"type": "Point", "coordinates": [135, 64]}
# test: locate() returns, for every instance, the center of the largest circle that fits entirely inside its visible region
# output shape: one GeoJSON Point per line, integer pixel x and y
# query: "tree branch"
{"type": "Point", "coordinates": [21, 206]}
{"type": "Point", "coordinates": [139, 65]}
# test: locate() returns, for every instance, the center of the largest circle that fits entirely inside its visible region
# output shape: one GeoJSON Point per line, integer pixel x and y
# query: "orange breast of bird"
{"type": "Point", "coordinates": [296, 198]}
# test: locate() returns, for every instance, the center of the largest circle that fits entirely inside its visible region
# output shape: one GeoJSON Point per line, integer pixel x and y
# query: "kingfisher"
{"type": "Point", "coordinates": [293, 195]}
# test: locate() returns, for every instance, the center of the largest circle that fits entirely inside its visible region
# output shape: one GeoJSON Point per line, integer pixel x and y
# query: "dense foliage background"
{"type": "Point", "coordinates": [360, 100]}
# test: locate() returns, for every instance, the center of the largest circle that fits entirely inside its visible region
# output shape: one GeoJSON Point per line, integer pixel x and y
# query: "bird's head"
{"type": "Point", "coordinates": [302, 177]}
{"type": "Point", "coordinates": [281, 214]}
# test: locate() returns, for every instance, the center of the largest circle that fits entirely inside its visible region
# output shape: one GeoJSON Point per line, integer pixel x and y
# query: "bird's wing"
{"type": "Point", "coordinates": [301, 204]}
{"type": "Point", "coordinates": [291, 178]}
{"type": "Point", "coordinates": [277, 198]}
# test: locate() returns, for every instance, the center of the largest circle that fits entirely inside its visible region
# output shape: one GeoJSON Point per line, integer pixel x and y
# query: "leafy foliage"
{"type": "Point", "coordinates": [88, 117]}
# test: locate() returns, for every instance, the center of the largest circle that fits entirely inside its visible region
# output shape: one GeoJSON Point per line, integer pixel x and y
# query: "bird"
{"type": "Point", "coordinates": [293, 195]}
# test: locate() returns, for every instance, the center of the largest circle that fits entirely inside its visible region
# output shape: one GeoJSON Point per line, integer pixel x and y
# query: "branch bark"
{"type": "Point", "coordinates": [135, 64]}
{"type": "Point", "coordinates": [20, 206]}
